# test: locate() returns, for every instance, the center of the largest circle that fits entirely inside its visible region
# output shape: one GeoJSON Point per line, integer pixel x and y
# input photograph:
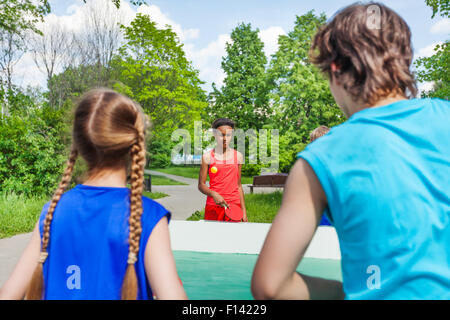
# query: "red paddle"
{"type": "Point", "coordinates": [234, 211]}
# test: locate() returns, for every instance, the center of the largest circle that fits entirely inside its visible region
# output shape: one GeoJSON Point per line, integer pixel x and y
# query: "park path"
{"type": "Point", "coordinates": [182, 201]}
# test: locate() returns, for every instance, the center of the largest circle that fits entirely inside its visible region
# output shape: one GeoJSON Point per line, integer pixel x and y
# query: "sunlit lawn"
{"type": "Point", "coordinates": [261, 207]}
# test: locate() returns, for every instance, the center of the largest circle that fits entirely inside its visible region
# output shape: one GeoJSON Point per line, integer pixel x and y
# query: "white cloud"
{"type": "Point", "coordinates": [424, 86]}
{"type": "Point", "coordinates": [162, 20]}
{"type": "Point", "coordinates": [270, 38]}
{"type": "Point", "coordinates": [208, 59]}
{"type": "Point", "coordinates": [441, 27]}
{"type": "Point", "coordinates": [427, 51]}
{"type": "Point", "coordinates": [26, 72]}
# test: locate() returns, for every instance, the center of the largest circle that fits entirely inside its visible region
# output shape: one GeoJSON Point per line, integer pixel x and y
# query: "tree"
{"type": "Point", "coordinates": [12, 48]}
{"type": "Point", "coordinates": [87, 60]}
{"type": "Point", "coordinates": [134, 2]}
{"type": "Point", "coordinates": [100, 38]}
{"type": "Point", "coordinates": [33, 144]}
{"type": "Point", "coordinates": [20, 15]}
{"type": "Point", "coordinates": [151, 67]}
{"type": "Point", "coordinates": [436, 68]}
{"type": "Point", "coordinates": [300, 95]}
{"type": "Point", "coordinates": [439, 6]}
{"type": "Point", "coordinates": [73, 82]}
{"type": "Point", "coordinates": [243, 97]}
{"type": "Point", "coordinates": [49, 48]}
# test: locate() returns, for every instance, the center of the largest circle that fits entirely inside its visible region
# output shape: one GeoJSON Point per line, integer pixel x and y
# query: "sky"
{"type": "Point", "coordinates": [204, 26]}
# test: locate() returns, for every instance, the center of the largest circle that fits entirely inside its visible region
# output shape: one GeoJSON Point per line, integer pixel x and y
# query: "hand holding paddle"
{"type": "Point", "coordinates": [219, 200]}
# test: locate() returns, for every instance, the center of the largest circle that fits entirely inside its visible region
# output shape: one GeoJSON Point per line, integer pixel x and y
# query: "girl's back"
{"type": "Point", "coordinates": [89, 247]}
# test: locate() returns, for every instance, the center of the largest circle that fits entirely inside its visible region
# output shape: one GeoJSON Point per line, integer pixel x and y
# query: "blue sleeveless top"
{"type": "Point", "coordinates": [386, 176]}
{"type": "Point", "coordinates": [88, 246]}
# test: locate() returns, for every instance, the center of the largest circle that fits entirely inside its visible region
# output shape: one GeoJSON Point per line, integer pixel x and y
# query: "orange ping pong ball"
{"type": "Point", "coordinates": [213, 169]}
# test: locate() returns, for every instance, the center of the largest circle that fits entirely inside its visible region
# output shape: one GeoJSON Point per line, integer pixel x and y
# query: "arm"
{"type": "Point", "coordinates": [160, 265]}
{"type": "Point", "coordinates": [17, 284]}
{"type": "Point", "coordinates": [218, 199]}
{"type": "Point", "coordinates": [275, 276]}
{"type": "Point", "coordinates": [241, 191]}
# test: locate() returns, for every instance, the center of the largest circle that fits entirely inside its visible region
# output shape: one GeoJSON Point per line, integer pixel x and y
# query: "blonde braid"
{"type": "Point", "coordinates": [137, 152]}
{"type": "Point", "coordinates": [36, 287]}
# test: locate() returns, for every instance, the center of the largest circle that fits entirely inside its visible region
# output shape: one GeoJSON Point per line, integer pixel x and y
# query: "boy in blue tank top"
{"type": "Point", "coordinates": [383, 175]}
{"type": "Point", "coordinates": [101, 240]}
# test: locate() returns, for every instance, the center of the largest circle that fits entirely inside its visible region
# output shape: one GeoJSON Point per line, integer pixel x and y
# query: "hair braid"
{"type": "Point", "coordinates": [36, 287]}
{"type": "Point", "coordinates": [137, 152]}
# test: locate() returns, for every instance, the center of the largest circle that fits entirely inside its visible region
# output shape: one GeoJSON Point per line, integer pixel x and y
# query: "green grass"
{"type": "Point", "coordinates": [188, 172]}
{"type": "Point", "coordinates": [158, 180]}
{"type": "Point", "coordinates": [261, 207]}
{"type": "Point", "coordinates": [197, 215]}
{"type": "Point", "coordinates": [18, 213]}
{"type": "Point", "coordinates": [192, 172]}
{"type": "Point", "coordinates": [154, 195]}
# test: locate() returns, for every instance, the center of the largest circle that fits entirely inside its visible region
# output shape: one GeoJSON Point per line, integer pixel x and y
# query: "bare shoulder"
{"type": "Point", "coordinates": [206, 157]}
{"type": "Point", "coordinates": [240, 157]}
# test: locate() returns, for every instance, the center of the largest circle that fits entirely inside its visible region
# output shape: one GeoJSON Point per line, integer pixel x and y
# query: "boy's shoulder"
{"type": "Point", "coordinates": [344, 139]}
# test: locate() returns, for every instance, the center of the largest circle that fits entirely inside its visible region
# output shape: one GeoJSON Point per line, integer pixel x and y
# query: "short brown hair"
{"type": "Point", "coordinates": [374, 61]}
{"type": "Point", "coordinates": [318, 132]}
{"type": "Point", "coordinates": [222, 122]}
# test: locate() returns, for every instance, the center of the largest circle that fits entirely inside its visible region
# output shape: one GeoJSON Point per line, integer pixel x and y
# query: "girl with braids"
{"type": "Point", "coordinates": [101, 240]}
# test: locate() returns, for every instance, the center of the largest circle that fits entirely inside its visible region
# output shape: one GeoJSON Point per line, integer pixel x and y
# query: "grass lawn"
{"type": "Point", "coordinates": [19, 214]}
{"type": "Point", "coordinates": [261, 207]}
{"type": "Point", "coordinates": [154, 195]}
{"type": "Point", "coordinates": [192, 172]}
{"type": "Point", "coordinates": [158, 180]}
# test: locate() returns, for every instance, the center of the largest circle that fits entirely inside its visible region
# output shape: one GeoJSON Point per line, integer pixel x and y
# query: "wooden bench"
{"type": "Point", "coordinates": [274, 180]}
{"type": "Point", "coordinates": [147, 182]}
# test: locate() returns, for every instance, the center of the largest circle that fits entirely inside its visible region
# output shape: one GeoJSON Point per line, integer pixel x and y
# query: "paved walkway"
{"type": "Point", "coordinates": [182, 202]}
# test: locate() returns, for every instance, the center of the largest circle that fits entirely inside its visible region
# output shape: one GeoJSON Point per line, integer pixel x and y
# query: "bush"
{"type": "Point", "coordinates": [160, 150]}
{"type": "Point", "coordinates": [250, 170]}
{"type": "Point", "coordinates": [33, 149]}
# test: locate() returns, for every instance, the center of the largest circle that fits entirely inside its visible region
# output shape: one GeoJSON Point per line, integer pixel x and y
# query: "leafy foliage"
{"type": "Point", "coordinates": [74, 81]}
{"type": "Point", "coordinates": [437, 69]}
{"type": "Point", "coordinates": [19, 15]}
{"type": "Point", "coordinates": [301, 97]}
{"type": "Point", "coordinates": [32, 147]}
{"type": "Point", "coordinates": [243, 96]}
{"type": "Point", "coordinates": [439, 6]}
{"type": "Point", "coordinates": [151, 67]}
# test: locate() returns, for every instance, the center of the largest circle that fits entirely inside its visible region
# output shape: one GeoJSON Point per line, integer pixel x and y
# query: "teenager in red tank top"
{"type": "Point", "coordinates": [225, 201]}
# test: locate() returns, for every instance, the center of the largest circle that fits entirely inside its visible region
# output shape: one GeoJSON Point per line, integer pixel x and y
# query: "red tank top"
{"type": "Point", "coordinates": [224, 179]}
